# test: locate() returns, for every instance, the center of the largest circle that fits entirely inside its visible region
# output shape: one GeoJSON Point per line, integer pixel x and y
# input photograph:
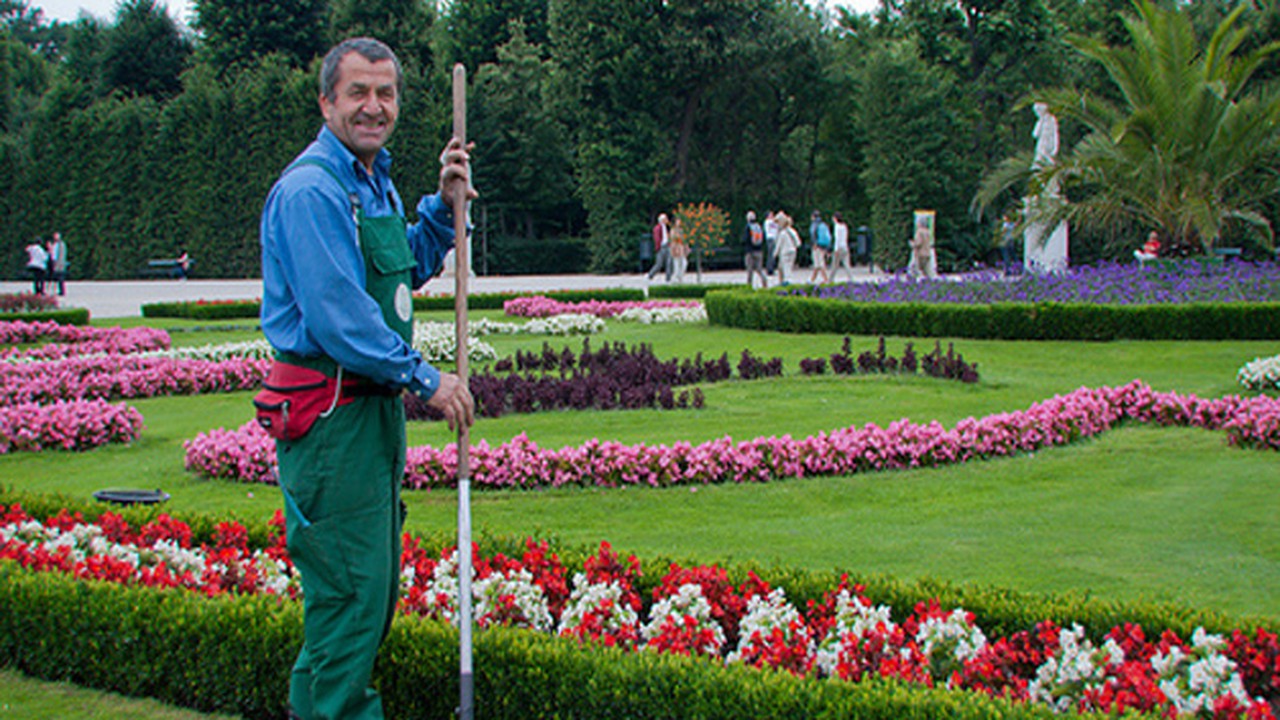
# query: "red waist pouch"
{"type": "Point", "coordinates": [293, 397]}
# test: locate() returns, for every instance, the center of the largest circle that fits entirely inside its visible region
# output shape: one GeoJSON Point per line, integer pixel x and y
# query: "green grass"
{"type": "Point", "coordinates": [30, 699]}
{"type": "Point", "coordinates": [1138, 513]}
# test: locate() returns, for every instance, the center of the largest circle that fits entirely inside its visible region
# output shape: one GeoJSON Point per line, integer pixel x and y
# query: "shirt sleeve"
{"type": "Point", "coordinates": [431, 238]}
{"type": "Point", "coordinates": [312, 235]}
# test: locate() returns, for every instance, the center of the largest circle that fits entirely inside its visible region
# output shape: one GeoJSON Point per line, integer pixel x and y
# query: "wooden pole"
{"type": "Point", "coordinates": [462, 265]}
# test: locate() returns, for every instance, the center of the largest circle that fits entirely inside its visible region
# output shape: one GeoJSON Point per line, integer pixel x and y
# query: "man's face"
{"type": "Point", "coordinates": [365, 105]}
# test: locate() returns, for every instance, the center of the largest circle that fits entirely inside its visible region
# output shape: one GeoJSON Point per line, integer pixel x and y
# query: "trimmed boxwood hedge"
{"type": "Point", "coordinates": [203, 310]}
{"type": "Point", "coordinates": [62, 316]}
{"type": "Point", "coordinates": [234, 654]}
{"type": "Point", "coordinates": [766, 310]}
{"type": "Point", "coordinates": [494, 301]}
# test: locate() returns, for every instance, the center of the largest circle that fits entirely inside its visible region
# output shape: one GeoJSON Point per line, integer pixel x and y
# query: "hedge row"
{"type": "Point", "coordinates": [476, 301]}
{"type": "Point", "coordinates": [63, 316]}
{"type": "Point", "coordinates": [687, 291]}
{"type": "Point", "coordinates": [203, 310]}
{"type": "Point", "coordinates": [233, 654]}
{"type": "Point", "coordinates": [1000, 321]}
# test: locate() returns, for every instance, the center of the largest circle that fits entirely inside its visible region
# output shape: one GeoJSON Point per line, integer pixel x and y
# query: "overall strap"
{"type": "Point", "coordinates": [352, 196]}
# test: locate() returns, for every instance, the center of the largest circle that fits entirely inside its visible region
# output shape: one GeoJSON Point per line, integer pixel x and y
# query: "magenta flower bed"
{"type": "Point", "coordinates": [125, 376]}
{"type": "Point", "coordinates": [698, 611]}
{"type": "Point", "coordinates": [539, 306]}
{"type": "Point", "coordinates": [67, 425]}
{"type": "Point", "coordinates": [77, 340]}
{"type": "Point", "coordinates": [248, 455]}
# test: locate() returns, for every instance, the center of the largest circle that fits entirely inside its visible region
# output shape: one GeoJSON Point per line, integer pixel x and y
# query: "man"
{"type": "Point", "coordinates": [753, 250]}
{"type": "Point", "coordinates": [338, 262]}
{"type": "Point", "coordinates": [37, 265]}
{"type": "Point", "coordinates": [58, 263]}
{"type": "Point", "coordinates": [840, 247]}
{"type": "Point", "coordinates": [771, 241]}
{"type": "Point", "coordinates": [661, 248]}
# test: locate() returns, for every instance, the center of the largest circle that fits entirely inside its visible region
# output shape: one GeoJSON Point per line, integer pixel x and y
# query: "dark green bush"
{"type": "Point", "coordinates": [201, 310]}
{"type": "Point", "coordinates": [64, 316]}
{"type": "Point", "coordinates": [686, 291]}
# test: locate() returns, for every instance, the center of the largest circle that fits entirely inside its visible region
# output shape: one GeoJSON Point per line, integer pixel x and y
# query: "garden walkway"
{"type": "Point", "coordinates": [125, 298]}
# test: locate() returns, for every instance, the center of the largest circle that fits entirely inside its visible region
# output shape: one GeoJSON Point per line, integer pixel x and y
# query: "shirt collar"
{"type": "Point", "coordinates": [334, 148]}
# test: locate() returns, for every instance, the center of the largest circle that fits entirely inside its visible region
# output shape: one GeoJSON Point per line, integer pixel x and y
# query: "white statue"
{"type": "Point", "coordinates": [1044, 248]}
{"type": "Point", "coordinates": [1046, 135]}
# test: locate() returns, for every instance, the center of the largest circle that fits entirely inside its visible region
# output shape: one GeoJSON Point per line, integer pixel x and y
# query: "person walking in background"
{"type": "Point", "coordinates": [339, 262]}
{"type": "Point", "coordinates": [184, 264]}
{"type": "Point", "coordinates": [788, 244]}
{"type": "Point", "coordinates": [1008, 227]}
{"type": "Point", "coordinates": [820, 237]}
{"type": "Point", "coordinates": [840, 247]}
{"type": "Point", "coordinates": [37, 265]}
{"type": "Point", "coordinates": [770, 241]}
{"type": "Point", "coordinates": [661, 247]}
{"type": "Point", "coordinates": [58, 263]}
{"type": "Point", "coordinates": [753, 247]}
{"type": "Point", "coordinates": [679, 252]}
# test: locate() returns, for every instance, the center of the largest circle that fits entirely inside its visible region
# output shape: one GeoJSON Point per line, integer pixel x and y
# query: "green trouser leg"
{"type": "Point", "coordinates": [341, 486]}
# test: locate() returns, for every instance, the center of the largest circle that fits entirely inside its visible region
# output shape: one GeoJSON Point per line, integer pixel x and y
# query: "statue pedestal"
{"type": "Point", "coordinates": [448, 267]}
{"type": "Point", "coordinates": [1044, 251]}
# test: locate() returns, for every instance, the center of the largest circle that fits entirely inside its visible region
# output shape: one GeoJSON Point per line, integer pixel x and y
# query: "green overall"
{"type": "Point", "coordinates": [341, 487]}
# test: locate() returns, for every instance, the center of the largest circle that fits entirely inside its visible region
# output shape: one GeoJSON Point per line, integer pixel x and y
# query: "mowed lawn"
{"type": "Point", "coordinates": [1139, 513]}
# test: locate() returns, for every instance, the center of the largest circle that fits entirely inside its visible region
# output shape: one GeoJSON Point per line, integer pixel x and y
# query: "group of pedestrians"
{"type": "Point", "coordinates": [47, 265]}
{"type": "Point", "coordinates": [775, 244]}
{"type": "Point", "coordinates": [670, 249]}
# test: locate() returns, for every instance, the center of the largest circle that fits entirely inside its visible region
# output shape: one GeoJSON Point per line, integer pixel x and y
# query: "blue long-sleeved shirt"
{"type": "Point", "coordinates": [313, 274]}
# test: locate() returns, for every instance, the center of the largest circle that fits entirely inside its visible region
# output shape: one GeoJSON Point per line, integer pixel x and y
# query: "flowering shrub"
{"type": "Point", "coordinates": [125, 376]}
{"type": "Point", "coordinates": [536, 306]}
{"type": "Point", "coordinates": [705, 227]}
{"type": "Point", "coordinates": [26, 302]}
{"type": "Point", "coordinates": [71, 340]}
{"type": "Point", "coordinates": [159, 554]}
{"type": "Point", "coordinates": [562, 324]}
{"type": "Point", "coordinates": [248, 349]}
{"type": "Point", "coordinates": [68, 425]}
{"type": "Point", "coordinates": [439, 343]}
{"type": "Point", "coordinates": [1261, 374]}
{"type": "Point", "coordinates": [654, 316]}
{"type": "Point", "coordinates": [842, 637]}
{"type": "Point", "coordinates": [1106, 283]}
{"type": "Point", "coordinates": [246, 454]}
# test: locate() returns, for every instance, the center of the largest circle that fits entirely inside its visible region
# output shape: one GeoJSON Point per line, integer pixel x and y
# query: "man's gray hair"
{"type": "Point", "coordinates": [369, 48]}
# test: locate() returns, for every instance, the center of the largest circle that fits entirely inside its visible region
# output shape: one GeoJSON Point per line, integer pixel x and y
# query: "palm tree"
{"type": "Point", "coordinates": [1186, 151]}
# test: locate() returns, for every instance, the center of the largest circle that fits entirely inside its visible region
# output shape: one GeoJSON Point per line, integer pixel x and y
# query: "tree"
{"type": "Point", "coordinates": [705, 227]}
{"type": "Point", "coordinates": [143, 53]}
{"type": "Point", "coordinates": [1189, 149]}
{"type": "Point", "coordinates": [404, 25]}
{"type": "Point", "coordinates": [477, 28]}
{"type": "Point", "coordinates": [915, 154]}
{"type": "Point", "coordinates": [236, 33]}
{"type": "Point", "coordinates": [526, 172]}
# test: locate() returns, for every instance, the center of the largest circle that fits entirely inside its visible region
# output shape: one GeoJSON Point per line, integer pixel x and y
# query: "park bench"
{"type": "Point", "coordinates": [165, 267]}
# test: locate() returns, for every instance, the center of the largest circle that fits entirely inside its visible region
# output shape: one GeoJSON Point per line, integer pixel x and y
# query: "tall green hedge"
{"type": "Point", "coordinates": [1000, 321]}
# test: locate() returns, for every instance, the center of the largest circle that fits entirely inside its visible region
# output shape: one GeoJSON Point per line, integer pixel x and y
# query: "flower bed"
{"type": "Point", "coordinates": [698, 611]}
{"type": "Point", "coordinates": [542, 306]}
{"type": "Point", "coordinates": [68, 340]}
{"type": "Point", "coordinates": [26, 302]}
{"type": "Point", "coordinates": [124, 376]}
{"type": "Point", "coordinates": [248, 455]}
{"type": "Point", "coordinates": [1106, 283]}
{"type": "Point", "coordinates": [1261, 374]}
{"type": "Point", "coordinates": [67, 425]}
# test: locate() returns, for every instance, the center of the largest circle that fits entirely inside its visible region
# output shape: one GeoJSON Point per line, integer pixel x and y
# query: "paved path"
{"type": "Point", "coordinates": [125, 298]}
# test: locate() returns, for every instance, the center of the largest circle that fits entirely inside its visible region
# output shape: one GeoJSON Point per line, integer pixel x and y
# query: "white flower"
{"type": "Point", "coordinates": [588, 597]}
{"type": "Point", "coordinates": [1078, 666]}
{"type": "Point", "coordinates": [853, 617]}
{"type": "Point", "coordinates": [1261, 374]}
{"type": "Point", "coordinates": [524, 594]}
{"type": "Point", "coordinates": [764, 614]}
{"type": "Point", "coordinates": [688, 602]}
{"type": "Point", "coordinates": [649, 316]}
